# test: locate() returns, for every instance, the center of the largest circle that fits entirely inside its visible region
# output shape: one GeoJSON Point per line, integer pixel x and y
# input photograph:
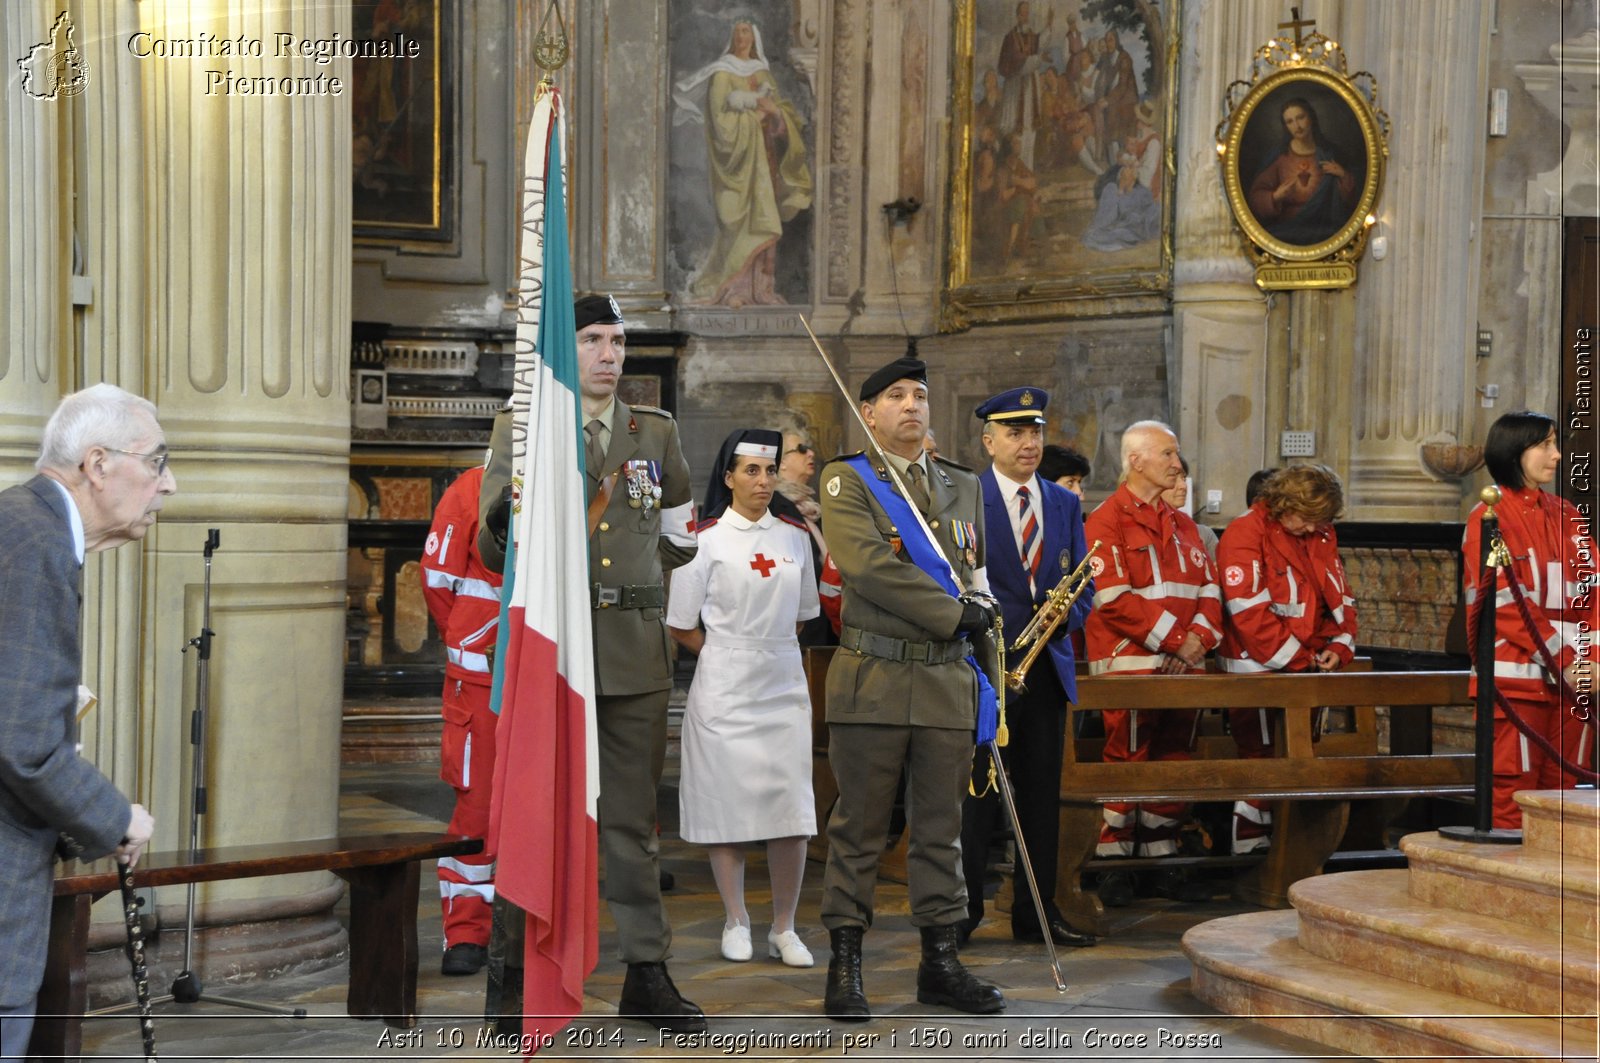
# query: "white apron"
{"type": "Point", "coordinates": [746, 760]}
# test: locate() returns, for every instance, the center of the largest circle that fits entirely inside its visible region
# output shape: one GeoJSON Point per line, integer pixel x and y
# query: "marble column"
{"type": "Point", "coordinates": [247, 212]}
{"type": "Point", "coordinates": [1414, 338]}
{"type": "Point", "coordinates": [841, 136]}
{"type": "Point", "coordinates": [36, 236]}
{"type": "Point", "coordinates": [56, 307]}
{"type": "Point", "coordinates": [618, 155]}
{"type": "Point", "coordinates": [1219, 380]}
{"type": "Point", "coordinates": [212, 241]}
{"type": "Point", "coordinates": [907, 97]}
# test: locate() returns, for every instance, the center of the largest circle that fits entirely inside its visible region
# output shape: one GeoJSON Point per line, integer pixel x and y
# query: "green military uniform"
{"type": "Point", "coordinates": [629, 552]}
{"type": "Point", "coordinates": [917, 712]}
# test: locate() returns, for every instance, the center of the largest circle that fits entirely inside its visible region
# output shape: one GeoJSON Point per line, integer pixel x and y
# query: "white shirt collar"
{"type": "Point", "coordinates": [733, 518]}
{"type": "Point", "coordinates": [1008, 487]}
{"type": "Point", "coordinates": [73, 517]}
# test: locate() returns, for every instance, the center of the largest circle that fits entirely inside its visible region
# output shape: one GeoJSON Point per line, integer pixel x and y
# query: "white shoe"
{"type": "Point", "coordinates": [788, 947]}
{"type": "Point", "coordinates": [736, 943]}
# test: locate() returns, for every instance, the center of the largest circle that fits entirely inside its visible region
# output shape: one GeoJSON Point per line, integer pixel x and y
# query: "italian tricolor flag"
{"type": "Point", "coordinates": [546, 778]}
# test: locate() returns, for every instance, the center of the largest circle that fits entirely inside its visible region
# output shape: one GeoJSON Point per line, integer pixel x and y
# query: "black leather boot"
{"type": "Point", "coordinates": [649, 996]}
{"type": "Point", "coordinates": [846, 1000]}
{"type": "Point", "coordinates": [942, 980]}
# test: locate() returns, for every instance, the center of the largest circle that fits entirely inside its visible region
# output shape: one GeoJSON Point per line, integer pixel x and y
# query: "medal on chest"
{"type": "Point", "coordinates": [643, 480]}
{"type": "Point", "coordinates": [965, 539]}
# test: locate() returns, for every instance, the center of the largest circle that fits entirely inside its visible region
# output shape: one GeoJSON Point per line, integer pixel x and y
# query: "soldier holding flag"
{"type": "Point", "coordinates": [639, 526]}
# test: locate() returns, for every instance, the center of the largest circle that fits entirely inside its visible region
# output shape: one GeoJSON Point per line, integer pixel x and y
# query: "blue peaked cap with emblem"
{"type": "Point", "coordinates": [1017, 406]}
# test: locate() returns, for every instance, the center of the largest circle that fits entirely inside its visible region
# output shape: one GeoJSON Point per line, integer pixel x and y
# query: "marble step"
{"type": "Point", "coordinates": [1367, 919]}
{"type": "Point", "coordinates": [1537, 888]}
{"type": "Point", "coordinates": [1562, 821]}
{"type": "Point", "coordinates": [1253, 965]}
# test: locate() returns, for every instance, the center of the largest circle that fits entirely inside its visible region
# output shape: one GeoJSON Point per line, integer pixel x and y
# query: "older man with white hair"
{"type": "Point", "coordinates": [1157, 610]}
{"type": "Point", "coordinates": [102, 478]}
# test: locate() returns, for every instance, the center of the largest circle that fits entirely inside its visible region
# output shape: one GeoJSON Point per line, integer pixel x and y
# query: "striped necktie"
{"type": "Point", "coordinates": [1030, 535]}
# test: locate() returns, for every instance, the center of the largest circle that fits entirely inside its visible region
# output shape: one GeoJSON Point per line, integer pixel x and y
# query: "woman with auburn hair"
{"type": "Point", "coordinates": [1287, 606]}
{"type": "Point", "coordinates": [1551, 553]}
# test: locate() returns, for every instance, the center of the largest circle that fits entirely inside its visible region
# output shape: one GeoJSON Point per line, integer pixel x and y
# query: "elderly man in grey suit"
{"type": "Point", "coordinates": [102, 476]}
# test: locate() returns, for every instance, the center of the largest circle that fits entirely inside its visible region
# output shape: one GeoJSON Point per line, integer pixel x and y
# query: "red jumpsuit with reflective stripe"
{"type": "Point", "coordinates": [830, 587]}
{"type": "Point", "coordinates": [464, 600]}
{"type": "Point", "coordinates": [1552, 554]}
{"type": "Point", "coordinates": [1154, 584]}
{"type": "Point", "coordinates": [1287, 601]}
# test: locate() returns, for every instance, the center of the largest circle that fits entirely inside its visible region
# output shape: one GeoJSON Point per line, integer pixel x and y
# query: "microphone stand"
{"type": "Point", "coordinates": [186, 988]}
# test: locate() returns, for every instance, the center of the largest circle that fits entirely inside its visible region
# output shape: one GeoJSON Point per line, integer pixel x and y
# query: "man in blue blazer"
{"type": "Point", "coordinates": [1035, 533]}
{"type": "Point", "coordinates": [102, 477]}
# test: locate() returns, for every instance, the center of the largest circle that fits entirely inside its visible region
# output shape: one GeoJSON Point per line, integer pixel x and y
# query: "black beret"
{"type": "Point", "coordinates": [595, 310]}
{"type": "Point", "coordinates": [905, 368]}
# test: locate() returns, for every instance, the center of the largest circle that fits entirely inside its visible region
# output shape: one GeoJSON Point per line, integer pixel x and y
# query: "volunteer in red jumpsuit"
{"type": "Point", "coordinates": [1289, 607]}
{"type": "Point", "coordinates": [464, 600]}
{"type": "Point", "coordinates": [1552, 555]}
{"type": "Point", "coordinates": [1157, 610]}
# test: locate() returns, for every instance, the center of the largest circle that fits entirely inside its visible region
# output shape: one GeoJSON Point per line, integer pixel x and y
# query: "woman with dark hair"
{"type": "Point", "coordinates": [1303, 195]}
{"type": "Point", "coordinates": [1551, 554]}
{"type": "Point", "coordinates": [1288, 606]}
{"type": "Point", "coordinates": [1066, 467]}
{"type": "Point", "coordinates": [746, 769]}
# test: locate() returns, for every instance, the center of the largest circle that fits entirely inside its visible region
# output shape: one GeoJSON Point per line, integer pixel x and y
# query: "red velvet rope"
{"type": "Point", "coordinates": [1486, 594]}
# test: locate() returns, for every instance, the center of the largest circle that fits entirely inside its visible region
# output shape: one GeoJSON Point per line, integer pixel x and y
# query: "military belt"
{"type": "Point", "coordinates": [645, 596]}
{"type": "Point", "coordinates": [893, 649]}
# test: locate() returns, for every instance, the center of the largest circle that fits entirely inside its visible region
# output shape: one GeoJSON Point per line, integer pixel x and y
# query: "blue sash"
{"type": "Point", "coordinates": [927, 557]}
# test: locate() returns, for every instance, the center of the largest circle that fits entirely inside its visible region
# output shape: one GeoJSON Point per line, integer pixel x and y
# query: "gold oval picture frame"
{"type": "Point", "coordinates": [1304, 215]}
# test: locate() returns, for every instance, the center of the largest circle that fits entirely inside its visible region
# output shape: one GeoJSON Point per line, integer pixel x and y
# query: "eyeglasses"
{"type": "Point", "coordinates": [160, 458]}
{"type": "Point", "coordinates": [798, 448]}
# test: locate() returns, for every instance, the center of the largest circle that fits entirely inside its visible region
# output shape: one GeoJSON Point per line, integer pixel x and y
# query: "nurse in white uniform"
{"type": "Point", "coordinates": [746, 769]}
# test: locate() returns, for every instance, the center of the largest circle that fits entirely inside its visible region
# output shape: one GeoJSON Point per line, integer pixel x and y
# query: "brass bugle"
{"type": "Point", "coordinates": [1054, 609]}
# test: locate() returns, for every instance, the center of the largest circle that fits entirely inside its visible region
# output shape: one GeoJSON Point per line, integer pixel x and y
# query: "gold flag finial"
{"type": "Point", "coordinates": [550, 46]}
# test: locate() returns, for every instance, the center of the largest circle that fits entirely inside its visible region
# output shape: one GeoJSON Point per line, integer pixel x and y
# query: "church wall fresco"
{"type": "Point", "coordinates": [741, 149]}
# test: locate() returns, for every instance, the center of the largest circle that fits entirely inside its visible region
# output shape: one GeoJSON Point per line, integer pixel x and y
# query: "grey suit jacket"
{"type": "Point", "coordinates": [46, 789]}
